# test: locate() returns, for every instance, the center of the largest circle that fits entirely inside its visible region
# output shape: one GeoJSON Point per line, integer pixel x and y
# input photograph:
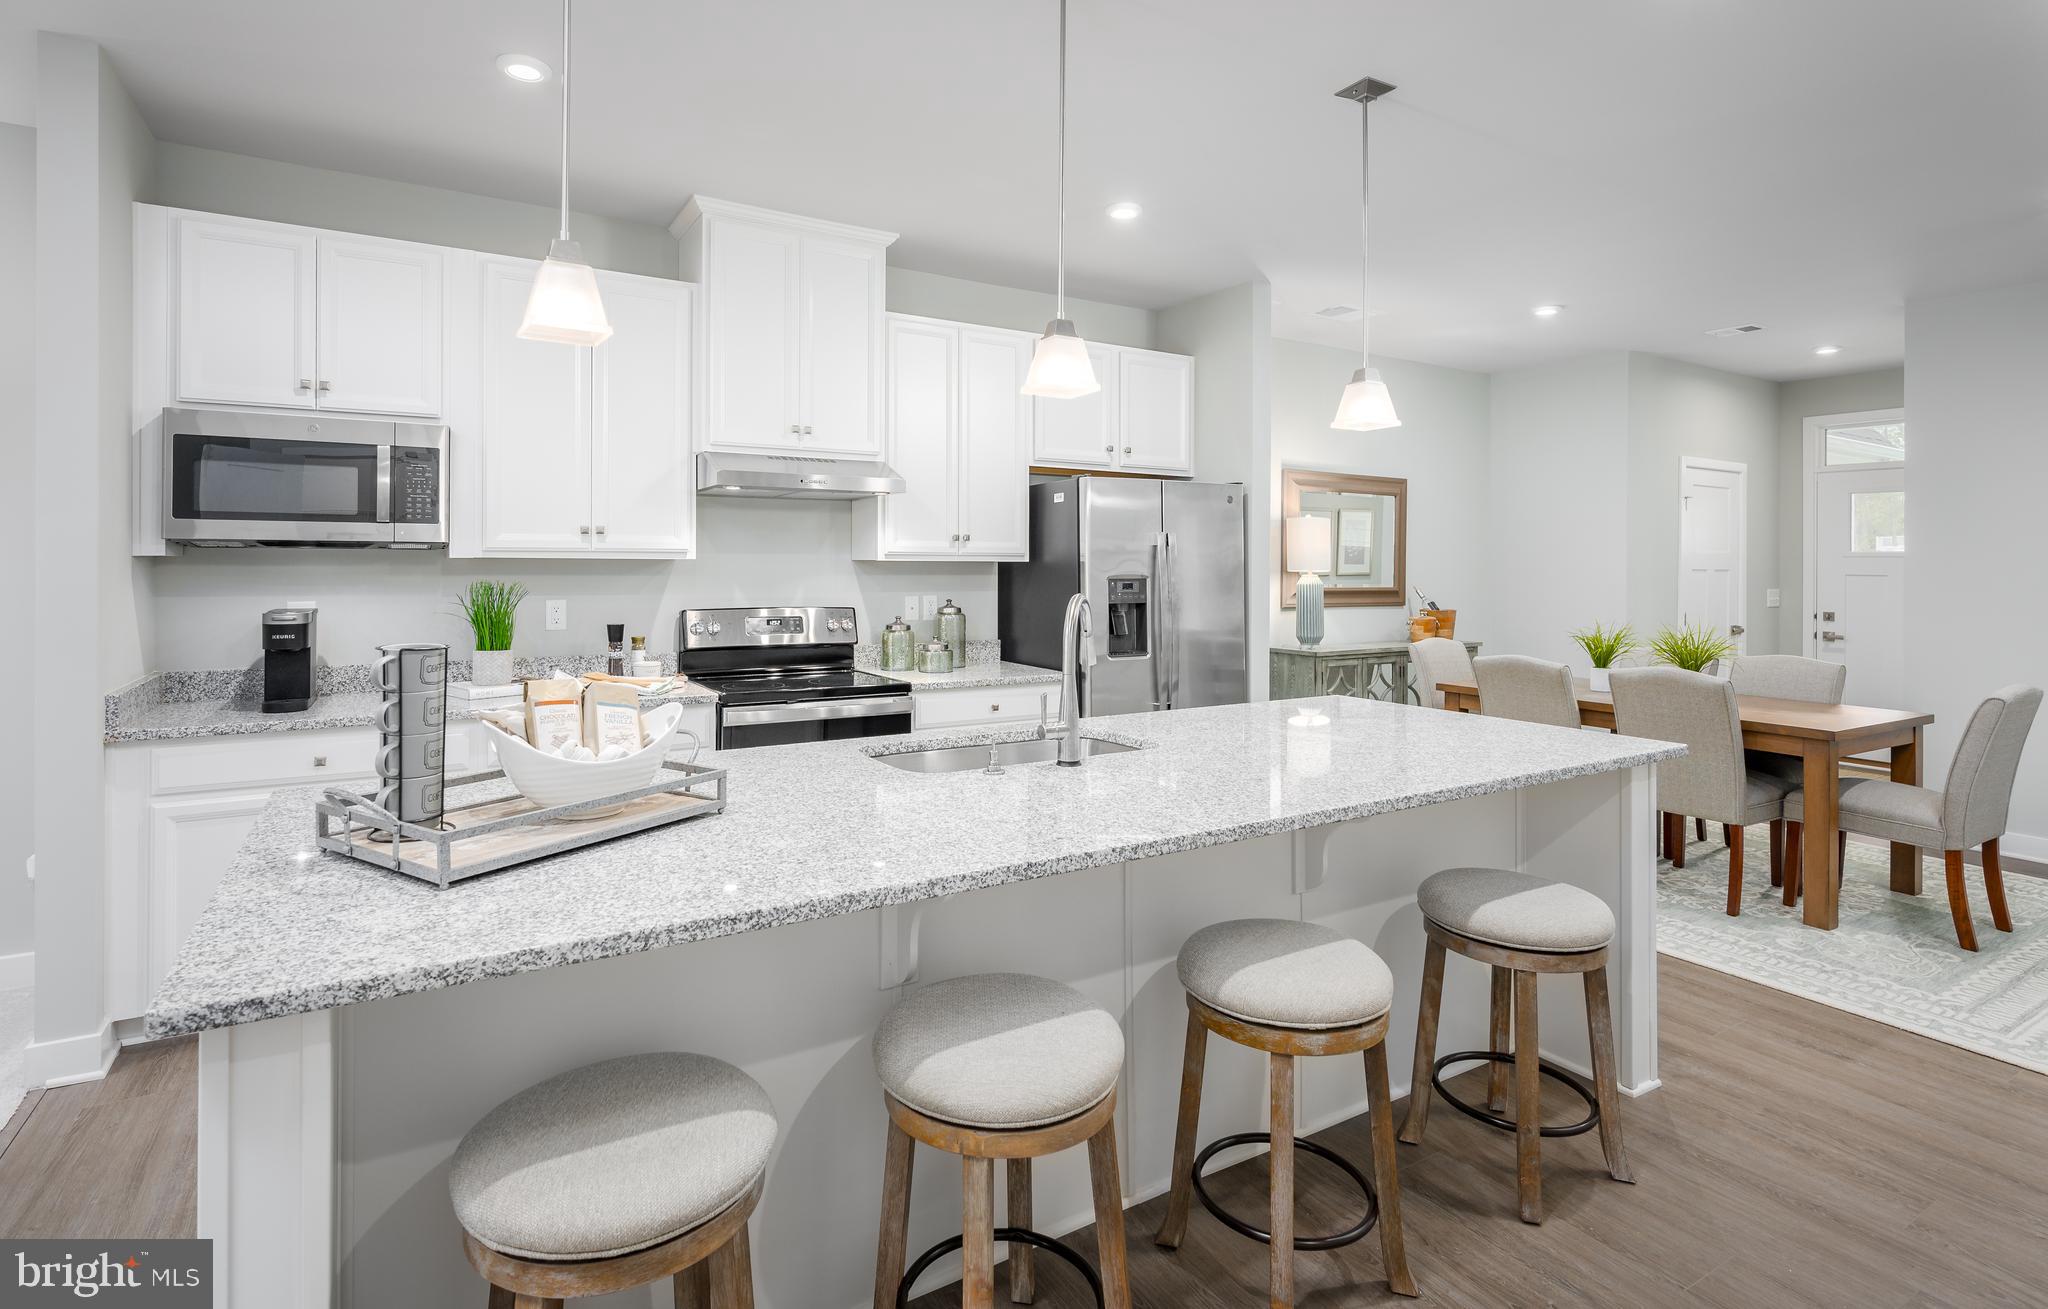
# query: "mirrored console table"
{"type": "Point", "coordinates": [1376, 671]}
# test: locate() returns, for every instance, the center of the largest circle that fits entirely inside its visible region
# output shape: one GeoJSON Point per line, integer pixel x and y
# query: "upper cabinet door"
{"type": "Point", "coordinates": [750, 281]}
{"type": "Point", "coordinates": [1081, 433]}
{"type": "Point", "coordinates": [1157, 434]}
{"type": "Point", "coordinates": [921, 519]}
{"type": "Point", "coordinates": [842, 346]}
{"type": "Point", "coordinates": [535, 439]}
{"type": "Point", "coordinates": [245, 314]}
{"type": "Point", "coordinates": [380, 327]}
{"type": "Point", "coordinates": [643, 469]}
{"type": "Point", "coordinates": [995, 444]}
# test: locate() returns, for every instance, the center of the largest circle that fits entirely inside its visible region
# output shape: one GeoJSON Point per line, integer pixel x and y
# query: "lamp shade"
{"type": "Point", "coordinates": [1308, 544]}
{"type": "Point", "coordinates": [1060, 367]}
{"type": "Point", "coordinates": [1366, 406]}
{"type": "Point", "coordinates": [565, 308]}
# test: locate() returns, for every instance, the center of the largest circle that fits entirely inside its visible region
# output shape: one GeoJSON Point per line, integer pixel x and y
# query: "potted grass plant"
{"type": "Point", "coordinates": [489, 606]}
{"type": "Point", "coordinates": [1604, 645]}
{"type": "Point", "coordinates": [1693, 648]}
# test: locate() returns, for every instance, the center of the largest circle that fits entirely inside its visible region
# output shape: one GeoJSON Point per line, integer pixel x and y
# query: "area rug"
{"type": "Point", "coordinates": [1893, 958]}
{"type": "Point", "coordinates": [14, 1034]}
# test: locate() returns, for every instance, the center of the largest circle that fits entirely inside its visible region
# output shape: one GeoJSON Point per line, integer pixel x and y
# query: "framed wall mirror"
{"type": "Point", "coordinates": [1368, 518]}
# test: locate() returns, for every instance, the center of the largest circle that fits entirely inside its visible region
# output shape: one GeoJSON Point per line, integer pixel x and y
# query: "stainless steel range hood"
{"type": "Point", "coordinates": [794, 477]}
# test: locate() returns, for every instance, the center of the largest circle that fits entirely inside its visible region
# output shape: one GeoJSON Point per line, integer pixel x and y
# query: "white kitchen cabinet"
{"type": "Point", "coordinates": [1154, 397]}
{"type": "Point", "coordinates": [582, 452]}
{"type": "Point", "coordinates": [291, 317]}
{"type": "Point", "coordinates": [244, 313]}
{"type": "Point", "coordinates": [794, 334]}
{"type": "Point", "coordinates": [936, 708]}
{"type": "Point", "coordinates": [959, 434]}
{"type": "Point", "coordinates": [1141, 421]}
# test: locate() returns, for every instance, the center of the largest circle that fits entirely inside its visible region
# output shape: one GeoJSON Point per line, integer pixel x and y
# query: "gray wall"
{"type": "Point", "coordinates": [93, 157]}
{"type": "Point", "coordinates": [962, 301]}
{"type": "Point", "coordinates": [1849, 393]}
{"type": "Point", "coordinates": [1975, 397]}
{"type": "Point", "coordinates": [1441, 447]}
{"type": "Point", "coordinates": [17, 502]}
{"type": "Point", "coordinates": [1677, 410]}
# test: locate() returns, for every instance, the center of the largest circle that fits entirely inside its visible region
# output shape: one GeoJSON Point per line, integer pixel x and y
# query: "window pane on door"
{"type": "Point", "coordinates": [1868, 443]}
{"type": "Point", "coordinates": [1877, 522]}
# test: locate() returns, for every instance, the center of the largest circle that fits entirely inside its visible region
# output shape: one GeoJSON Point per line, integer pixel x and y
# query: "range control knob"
{"type": "Point", "coordinates": [696, 629]}
{"type": "Point", "coordinates": [713, 629]}
{"type": "Point", "coordinates": [832, 624]}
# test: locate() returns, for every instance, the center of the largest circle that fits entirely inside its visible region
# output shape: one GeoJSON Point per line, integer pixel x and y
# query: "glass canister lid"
{"type": "Point", "coordinates": [948, 608]}
{"type": "Point", "coordinates": [896, 624]}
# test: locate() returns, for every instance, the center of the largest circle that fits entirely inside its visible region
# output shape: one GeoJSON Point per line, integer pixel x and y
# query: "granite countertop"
{"type": "Point", "coordinates": [819, 829]}
{"type": "Point", "coordinates": [170, 721]}
{"type": "Point", "coordinates": [1000, 672]}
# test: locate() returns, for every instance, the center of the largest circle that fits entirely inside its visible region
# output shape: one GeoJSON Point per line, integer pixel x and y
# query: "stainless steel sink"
{"type": "Point", "coordinates": [960, 758]}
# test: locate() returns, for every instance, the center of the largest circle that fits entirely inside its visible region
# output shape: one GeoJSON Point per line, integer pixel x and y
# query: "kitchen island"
{"type": "Point", "coordinates": [355, 1023]}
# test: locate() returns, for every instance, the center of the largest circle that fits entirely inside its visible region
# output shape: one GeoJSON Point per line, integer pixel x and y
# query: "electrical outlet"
{"type": "Point", "coordinates": [931, 606]}
{"type": "Point", "coordinates": [1772, 598]}
{"type": "Point", "coordinates": [558, 615]}
{"type": "Point", "coordinates": [911, 608]}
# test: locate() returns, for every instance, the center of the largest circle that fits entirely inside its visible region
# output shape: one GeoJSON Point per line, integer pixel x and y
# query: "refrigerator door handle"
{"type": "Point", "coordinates": [1165, 626]}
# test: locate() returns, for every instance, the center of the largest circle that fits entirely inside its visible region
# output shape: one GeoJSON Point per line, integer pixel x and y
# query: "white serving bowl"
{"type": "Point", "coordinates": [550, 780]}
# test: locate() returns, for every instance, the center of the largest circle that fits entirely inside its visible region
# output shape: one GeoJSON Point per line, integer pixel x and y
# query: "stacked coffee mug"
{"type": "Point", "coordinates": [413, 717]}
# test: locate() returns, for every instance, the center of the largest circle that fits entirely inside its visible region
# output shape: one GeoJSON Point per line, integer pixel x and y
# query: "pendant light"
{"type": "Point", "coordinates": [1366, 406]}
{"type": "Point", "coordinates": [565, 307]}
{"type": "Point", "coordinates": [1059, 364]}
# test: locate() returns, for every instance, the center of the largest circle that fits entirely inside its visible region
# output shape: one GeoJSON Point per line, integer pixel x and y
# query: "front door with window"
{"type": "Point", "coordinates": [1857, 545]}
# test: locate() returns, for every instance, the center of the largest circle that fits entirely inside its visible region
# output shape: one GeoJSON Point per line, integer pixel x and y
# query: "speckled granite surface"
{"type": "Point", "coordinates": [816, 830]}
{"type": "Point", "coordinates": [996, 673]}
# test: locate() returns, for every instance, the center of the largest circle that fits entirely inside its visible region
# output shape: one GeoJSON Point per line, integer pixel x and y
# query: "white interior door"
{"type": "Point", "coordinates": [1856, 551]}
{"type": "Point", "coordinates": [1713, 530]}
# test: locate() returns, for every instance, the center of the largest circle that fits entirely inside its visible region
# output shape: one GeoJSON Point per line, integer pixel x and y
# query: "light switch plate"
{"type": "Point", "coordinates": [1772, 598]}
{"type": "Point", "coordinates": [911, 608]}
{"type": "Point", "coordinates": [558, 615]}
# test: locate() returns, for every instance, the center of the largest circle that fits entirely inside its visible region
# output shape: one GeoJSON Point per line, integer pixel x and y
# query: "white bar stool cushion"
{"type": "Point", "coordinates": [1283, 973]}
{"type": "Point", "coordinates": [1517, 910]}
{"type": "Point", "coordinates": [612, 1157]}
{"type": "Point", "coordinates": [999, 1051]}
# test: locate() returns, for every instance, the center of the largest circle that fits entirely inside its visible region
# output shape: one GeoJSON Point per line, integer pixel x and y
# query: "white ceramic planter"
{"type": "Point", "coordinates": [1600, 680]}
{"type": "Point", "coordinates": [491, 668]}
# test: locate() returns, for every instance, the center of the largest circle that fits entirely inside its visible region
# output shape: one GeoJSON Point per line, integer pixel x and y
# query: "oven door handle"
{"type": "Point", "coordinates": [810, 711]}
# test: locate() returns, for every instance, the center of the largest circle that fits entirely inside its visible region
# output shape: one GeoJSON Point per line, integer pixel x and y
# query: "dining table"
{"type": "Point", "coordinates": [1820, 736]}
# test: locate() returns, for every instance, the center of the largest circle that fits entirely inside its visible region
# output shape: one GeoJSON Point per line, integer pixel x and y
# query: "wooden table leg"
{"type": "Point", "coordinates": [1906, 858]}
{"type": "Point", "coordinates": [1817, 866]}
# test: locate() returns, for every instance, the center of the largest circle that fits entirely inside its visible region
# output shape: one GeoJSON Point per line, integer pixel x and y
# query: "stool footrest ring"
{"type": "Point", "coordinates": [1004, 1235]}
{"type": "Point", "coordinates": [1259, 1234]}
{"type": "Point", "coordinates": [1543, 1066]}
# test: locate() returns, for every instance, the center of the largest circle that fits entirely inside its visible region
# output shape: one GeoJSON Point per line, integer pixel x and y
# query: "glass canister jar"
{"type": "Point", "coordinates": [952, 630]}
{"type": "Point", "coordinates": [935, 657]}
{"type": "Point", "coordinates": [898, 647]}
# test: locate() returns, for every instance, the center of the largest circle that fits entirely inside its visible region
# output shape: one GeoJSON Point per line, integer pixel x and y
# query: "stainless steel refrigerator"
{"type": "Point", "coordinates": [1162, 565]}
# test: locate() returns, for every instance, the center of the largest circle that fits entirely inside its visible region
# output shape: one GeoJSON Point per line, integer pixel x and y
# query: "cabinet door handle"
{"type": "Point", "coordinates": [325, 386]}
{"type": "Point", "coordinates": [1127, 449]}
{"type": "Point", "coordinates": [600, 529]}
{"type": "Point", "coordinates": [807, 429]}
{"type": "Point", "coordinates": [794, 429]}
{"type": "Point", "coordinates": [305, 384]}
{"type": "Point", "coordinates": [966, 536]}
{"type": "Point", "coordinates": [956, 538]}
{"type": "Point", "coordinates": [1109, 449]}
{"type": "Point", "coordinates": [319, 761]}
{"type": "Point", "coordinates": [584, 530]}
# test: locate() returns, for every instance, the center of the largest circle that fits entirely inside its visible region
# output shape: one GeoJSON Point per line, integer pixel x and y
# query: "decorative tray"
{"type": "Point", "coordinates": [491, 834]}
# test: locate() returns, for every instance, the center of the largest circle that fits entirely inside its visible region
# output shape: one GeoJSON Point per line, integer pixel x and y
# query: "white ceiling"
{"type": "Point", "coordinates": [1661, 167]}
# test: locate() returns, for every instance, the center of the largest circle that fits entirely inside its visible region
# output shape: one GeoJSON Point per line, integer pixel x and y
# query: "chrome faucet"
{"type": "Point", "coordinates": [1077, 651]}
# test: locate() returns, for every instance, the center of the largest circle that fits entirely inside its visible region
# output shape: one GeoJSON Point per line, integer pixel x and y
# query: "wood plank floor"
{"type": "Point", "coordinates": [1797, 1155]}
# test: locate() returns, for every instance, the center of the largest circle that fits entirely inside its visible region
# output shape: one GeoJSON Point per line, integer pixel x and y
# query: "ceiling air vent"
{"type": "Point", "coordinates": [1339, 313]}
{"type": "Point", "coordinates": [1743, 330]}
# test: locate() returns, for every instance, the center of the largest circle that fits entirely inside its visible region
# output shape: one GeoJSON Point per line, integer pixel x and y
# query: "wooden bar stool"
{"type": "Point", "coordinates": [1290, 989]}
{"type": "Point", "coordinates": [1523, 926]}
{"type": "Point", "coordinates": [999, 1066]}
{"type": "Point", "coordinates": [615, 1175]}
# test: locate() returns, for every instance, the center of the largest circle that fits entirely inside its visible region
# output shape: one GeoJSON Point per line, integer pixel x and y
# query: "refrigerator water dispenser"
{"type": "Point", "coordinates": [1128, 627]}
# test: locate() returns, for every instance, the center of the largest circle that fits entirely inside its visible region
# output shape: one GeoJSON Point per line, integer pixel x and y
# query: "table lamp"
{"type": "Point", "coordinates": [1307, 552]}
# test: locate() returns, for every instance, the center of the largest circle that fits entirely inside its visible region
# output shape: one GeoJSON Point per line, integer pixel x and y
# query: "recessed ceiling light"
{"type": "Point", "coordinates": [524, 68]}
{"type": "Point", "coordinates": [1125, 211]}
{"type": "Point", "coordinates": [1827, 349]}
{"type": "Point", "coordinates": [1547, 311]}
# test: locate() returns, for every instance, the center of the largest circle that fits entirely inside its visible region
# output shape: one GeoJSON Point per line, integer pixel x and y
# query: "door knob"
{"type": "Point", "coordinates": [1735, 630]}
{"type": "Point", "coordinates": [1830, 636]}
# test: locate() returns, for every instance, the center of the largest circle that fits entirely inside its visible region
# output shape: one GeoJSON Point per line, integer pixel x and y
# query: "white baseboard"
{"type": "Point", "coordinates": [17, 970]}
{"type": "Point", "coordinates": [71, 1059]}
{"type": "Point", "coordinates": [2021, 846]}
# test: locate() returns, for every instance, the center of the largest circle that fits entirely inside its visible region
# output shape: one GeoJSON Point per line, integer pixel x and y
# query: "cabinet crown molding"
{"type": "Point", "coordinates": [701, 205]}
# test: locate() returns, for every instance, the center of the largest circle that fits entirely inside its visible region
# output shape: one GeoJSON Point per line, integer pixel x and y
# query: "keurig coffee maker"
{"type": "Point", "coordinates": [287, 660]}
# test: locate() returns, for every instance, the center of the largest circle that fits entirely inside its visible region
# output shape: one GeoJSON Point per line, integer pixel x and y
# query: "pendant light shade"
{"type": "Point", "coordinates": [1060, 367]}
{"type": "Point", "coordinates": [1366, 405]}
{"type": "Point", "coordinates": [565, 308]}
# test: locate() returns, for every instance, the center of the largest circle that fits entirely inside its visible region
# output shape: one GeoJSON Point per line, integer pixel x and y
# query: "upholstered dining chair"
{"type": "Point", "coordinates": [1710, 780]}
{"type": "Point", "coordinates": [1784, 677]}
{"type": "Point", "coordinates": [1531, 690]}
{"type": "Point", "coordinates": [1969, 811]}
{"type": "Point", "coordinates": [1438, 659]}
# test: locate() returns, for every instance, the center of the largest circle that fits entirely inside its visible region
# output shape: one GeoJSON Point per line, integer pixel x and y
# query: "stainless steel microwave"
{"type": "Point", "coordinates": [275, 479]}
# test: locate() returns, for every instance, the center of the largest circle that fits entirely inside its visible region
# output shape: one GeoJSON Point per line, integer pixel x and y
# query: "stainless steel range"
{"type": "Point", "coordinates": [787, 675]}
